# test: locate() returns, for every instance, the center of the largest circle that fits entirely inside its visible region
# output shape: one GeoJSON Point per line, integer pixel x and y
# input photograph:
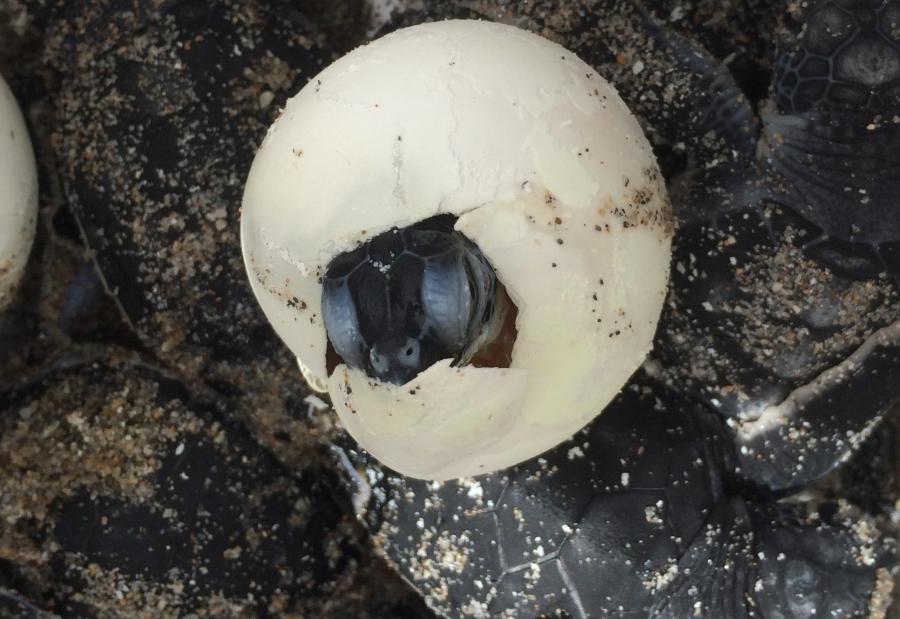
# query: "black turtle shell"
{"type": "Point", "coordinates": [633, 517]}
{"type": "Point", "coordinates": [162, 110]}
{"type": "Point", "coordinates": [144, 500]}
{"type": "Point", "coordinates": [846, 58]}
{"type": "Point", "coordinates": [592, 527]}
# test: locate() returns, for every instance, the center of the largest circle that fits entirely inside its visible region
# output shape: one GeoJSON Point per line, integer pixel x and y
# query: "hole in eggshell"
{"type": "Point", "coordinates": [495, 348]}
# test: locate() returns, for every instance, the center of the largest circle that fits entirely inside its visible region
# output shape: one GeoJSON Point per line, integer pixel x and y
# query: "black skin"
{"type": "Point", "coordinates": [819, 352]}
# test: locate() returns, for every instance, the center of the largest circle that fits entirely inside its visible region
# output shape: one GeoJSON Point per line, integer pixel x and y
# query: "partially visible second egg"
{"type": "Point", "coordinates": [18, 194]}
{"type": "Point", "coordinates": [536, 160]}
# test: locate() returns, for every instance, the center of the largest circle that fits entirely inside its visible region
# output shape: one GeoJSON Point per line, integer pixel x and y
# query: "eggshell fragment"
{"type": "Point", "coordinates": [550, 176]}
{"type": "Point", "coordinates": [18, 194]}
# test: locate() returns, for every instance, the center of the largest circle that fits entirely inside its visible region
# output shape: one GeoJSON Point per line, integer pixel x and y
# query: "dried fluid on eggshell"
{"type": "Point", "coordinates": [550, 176]}
{"type": "Point", "coordinates": [18, 194]}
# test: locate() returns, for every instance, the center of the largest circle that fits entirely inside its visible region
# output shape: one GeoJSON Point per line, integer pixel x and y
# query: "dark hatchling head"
{"type": "Point", "coordinates": [782, 321]}
{"type": "Point", "coordinates": [407, 298]}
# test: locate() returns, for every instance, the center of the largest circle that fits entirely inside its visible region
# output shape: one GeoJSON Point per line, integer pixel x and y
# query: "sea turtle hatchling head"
{"type": "Point", "coordinates": [408, 298]}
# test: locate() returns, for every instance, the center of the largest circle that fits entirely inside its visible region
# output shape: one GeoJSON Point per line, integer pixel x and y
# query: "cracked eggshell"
{"type": "Point", "coordinates": [18, 194]}
{"type": "Point", "coordinates": [550, 176]}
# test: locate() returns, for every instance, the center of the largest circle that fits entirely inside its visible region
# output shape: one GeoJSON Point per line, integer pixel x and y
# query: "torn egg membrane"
{"type": "Point", "coordinates": [550, 177]}
{"type": "Point", "coordinates": [18, 194]}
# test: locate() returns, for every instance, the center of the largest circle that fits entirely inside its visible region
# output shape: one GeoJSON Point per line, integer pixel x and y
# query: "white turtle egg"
{"type": "Point", "coordinates": [18, 194]}
{"type": "Point", "coordinates": [550, 176]}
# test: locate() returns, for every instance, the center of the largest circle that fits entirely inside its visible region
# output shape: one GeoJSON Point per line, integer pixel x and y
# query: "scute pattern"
{"type": "Point", "coordinates": [847, 58]}
{"type": "Point", "coordinates": [546, 536]}
{"type": "Point", "coordinates": [653, 529]}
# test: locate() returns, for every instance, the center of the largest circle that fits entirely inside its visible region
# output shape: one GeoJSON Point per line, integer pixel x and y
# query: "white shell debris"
{"type": "Point", "coordinates": [550, 176]}
{"type": "Point", "coordinates": [18, 194]}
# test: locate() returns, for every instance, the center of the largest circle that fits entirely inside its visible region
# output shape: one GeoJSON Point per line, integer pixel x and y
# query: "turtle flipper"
{"type": "Point", "coordinates": [789, 333]}
{"type": "Point", "coordinates": [704, 586]}
{"type": "Point", "coordinates": [763, 561]}
{"type": "Point", "coordinates": [713, 123]}
{"type": "Point", "coordinates": [713, 101]}
{"type": "Point", "coordinates": [840, 170]}
{"type": "Point", "coordinates": [821, 423]}
{"type": "Point", "coordinates": [701, 124]}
